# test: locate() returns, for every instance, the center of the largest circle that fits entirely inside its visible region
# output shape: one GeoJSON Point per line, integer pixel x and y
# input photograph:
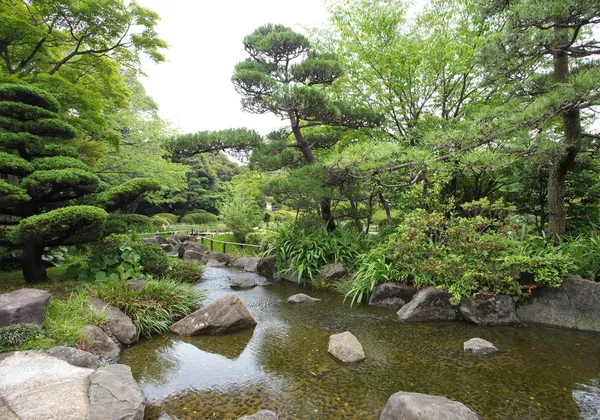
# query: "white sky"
{"type": "Point", "coordinates": [193, 88]}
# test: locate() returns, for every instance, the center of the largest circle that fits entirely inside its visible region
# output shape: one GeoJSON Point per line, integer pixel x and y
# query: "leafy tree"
{"type": "Point", "coordinates": [241, 215]}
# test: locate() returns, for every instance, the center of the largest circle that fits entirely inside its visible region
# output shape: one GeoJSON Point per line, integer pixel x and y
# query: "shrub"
{"type": "Point", "coordinates": [186, 271]}
{"type": "Point", "coordinates": [199, 218]}
{"type": "Point", "coordinates": [152, 308]}
{"type": "Point", "coordinates": [584, 252]}
{"type": "Point", "coordinates": [241, 216]}
{"type": "Point", "coordinates": [172, 218]}
{"type": "Point", "coordinates": [153, 259]}
{"type": "Point", "coordinates": [158, 221]}
{"type": "Point", "coordinates": [18, 336]}
{"type": "Point", "coordinates": [132, 222]}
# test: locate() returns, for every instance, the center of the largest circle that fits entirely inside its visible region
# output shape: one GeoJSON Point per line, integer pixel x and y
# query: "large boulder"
{"type": "Point", "coordinates": [119, 324]}
{"type": "Point", "coordinates": [192, 255]}
{"type": "Point", "coordinates": [345, 348]}
{"type": "Point", "coordinates": [392, 295]}
{"type": "Point", "coordinates": [114, 394]}
{"type": "Point", "coordinates": [302, 298]}
{"type": "Point", "coordinates": [494, 310]}
{"type": "Point", "coordinates": [168, 247]}
{"type": "Point", "coordinates": [429, 304]}
{"type": "Point", "coordinates": [23, 306]}
{"type": "Point", "coordinates": [239, 283]}
{"type": "Point", "coordinates": [239, 262]}
{"type": "Point", "coordinates": [187, 238]}
{"type": "Point", "coordinates": [222, 316]}
{"type": "Point", "coordinates": [291, 276]}
{"type": "Point", "coordinates": [160, 240]}
{"type": "Point", "coordinates": [251, 265]}
{"type": "Point", "coordinates": [76, 357]}
{"type": "Point", "coordinates": [414, 406]}
{"type": "Point", "coordinates": [479, 346]}
{"type": "Point", "coordinates": [216, 259]}
{"type": "Point", "coordinates": [261, 415]}
{"type": "Point", "coordinates": [333, 271]}
{"type": "Point", "coordinates": [574, 305]}
{"type": "Point", "coordinates": [101, 343]}
{"type": "Point", "coordinates": [266, 267]}
{"type": "Point", "coordinates": [192, 246]}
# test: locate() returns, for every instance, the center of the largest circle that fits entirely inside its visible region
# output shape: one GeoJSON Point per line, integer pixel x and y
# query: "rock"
{"type": "Point", "coordinates": [574, 305]}
{"type": "Point", "coordinates": [6, 413]}
{"type": "Point", "coordinates": [302, 298]}
{"type": "Point", "coordinates": [136, 284]}
{"type": "Point", "coordinates": [333, 271]}
{"type": "Point", "coordinates": [160, 240]}
{"type": "Point", "coordinates": [187, 238]}
{"type": "Point", "coordinates": [291, 276]}
{"type": "Point", "coordinates": [414, 406]}
{"type": "Point", "coordinates": [76, 357]}
{"type": "Point", "coordinates": [23, 306]}
{"type": "Point", "coordinates": [429, 304]}
{"type": "Point", "coordinates": [261, 415]}
{"type": "Point", "coordinates": [216, 259]}
{"type": "Point", "coordinates": [119, 324]}
{"type": "Point", "coordinates": [392, 295]}
{"type": "Point", "coordinates": [101, 343]}
{"type": "Point", "coordinates": [345, 348]}
{"type": "Point", "coordinates": [114, 394]}
{"type": "Point", "coordinates": [239, 262]}
{"type": "Point", "coordinates": [494, 310]}
{"type": "Point", "coordinates": [165, 416]}
{"type": "Point", "coordinates": [266, 267]}
{"type": "Point", "coordinates": [192, 255]}
{"type": "Point", "coordinates": [174, 239]}
{"type": "Point", "coordinates": [222, 316]}
{"type": "Point", "coordinates": [36, 385]}
{"type": "Point", "coordinates": [479, 346]}
{"type": "Point", "coordinates": [167, 247]}
{"type": "Point", "coordinates": [191, 246]}
{"type": "Point", "coordinates": [251, 265]}
{"type": "Point", "coordinates": [149, 240]}
{"type": "Point", "coordinates": [242, 283]}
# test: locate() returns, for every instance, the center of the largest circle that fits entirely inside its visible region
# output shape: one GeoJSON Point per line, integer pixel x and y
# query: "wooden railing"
{"type": "Point", "coordinates": [225, 243]}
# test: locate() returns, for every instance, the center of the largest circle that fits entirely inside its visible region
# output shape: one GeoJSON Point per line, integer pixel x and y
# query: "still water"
{"type": "Point", "coordinates": [282, 364]}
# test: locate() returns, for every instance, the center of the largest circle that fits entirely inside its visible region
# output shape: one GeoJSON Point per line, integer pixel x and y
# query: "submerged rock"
{"type": "Point", "coordinates": [574, 305]}
{"type": "Point", "coordinates": [302, 298]}
{"type": "Point", "coordinates": [479, 346]}
{"type": "Point", "coordinates": [414, 406]}
{"type": "Point", "coordinates": [23, 306]}
{"type": "Point", "coordinates": [392, 295]}
{"type": "Point", "coordinates": [333, 271]}
{"type": "Point", "coordinates": [119, 324]}
{"type": "Point", "coordinates": [345, 348]}
{"type": "Point", "coordinates": [222, 316]}
{"type": "Point", "coordinates": [76, 357]}
{"type": "Point", "coordinates": [429, 304]}
{"type": "Point", "coordinates": [261, 415]}
{"type": "Point", "coordinates": [494, 310]}
{"type": "Point", "coordinates": [114, 394]}
{"type": "Point", "coordinates": [101, 343]}
{"type": "Point", "coordinates": [242, 283]}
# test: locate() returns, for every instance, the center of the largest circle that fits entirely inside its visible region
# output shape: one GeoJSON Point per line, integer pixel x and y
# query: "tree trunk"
{"type": "Point", "coordinates": [326, 214]}
{"type": "Point", "coordinates": [562, 162]}
{"type": "Point", "coordinates": [386, 207]}
{"type": "Point", "coordinates": [32, 264]}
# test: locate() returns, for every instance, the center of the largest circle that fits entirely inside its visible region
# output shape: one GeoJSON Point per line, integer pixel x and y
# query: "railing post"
{"type": "Point", "coordinates": [211, 245]}
{"type": "Point", "coordinates": [224, 248]}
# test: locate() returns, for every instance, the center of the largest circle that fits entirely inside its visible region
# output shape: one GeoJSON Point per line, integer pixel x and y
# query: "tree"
{"type": "Point", "coordinates": [545, 48]}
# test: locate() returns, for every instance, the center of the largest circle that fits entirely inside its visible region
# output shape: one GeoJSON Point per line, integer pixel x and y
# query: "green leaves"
{"type": "Point", "coordinates": [121, 195]}
{"type": "Point", "coordinates": [236, 139]}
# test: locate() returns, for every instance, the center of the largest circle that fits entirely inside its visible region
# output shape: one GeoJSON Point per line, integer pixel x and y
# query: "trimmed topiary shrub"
{"type": "Point", "coordinates": [123, 223]}
{"type": "Point", "coordinates": [199, 218]}
{"type": "Point", "coordinates": [172, 218]}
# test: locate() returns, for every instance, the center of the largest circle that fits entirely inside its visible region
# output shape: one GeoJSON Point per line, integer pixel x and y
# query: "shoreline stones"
{"type": "Point", "coordinates": [494, 310]}
{"type": "Point", "coordinates": [345, 348]}
{"type": "Point", "coordinates": [23, 306]}
{"type": "Point", "coordinates": [479, 346]}
{"type": "Point", "coordinates": [240, 283]}
{"type": "Point", "coordinates": [101, 343]}
{"type": "Point", "coordinates": [222, 316]}
{"type": "Point", "coordinates": [429, 304]}
{"type": "Point", "coordinates": [261, 415]}
{"type": "Point", "coordinates": [302, 298]}
{"type": "Point", "coordinates": [266, 267]}
{"type": "Point", "coordinates": [114, 394]}
{"type": "Point", "coordinates": [392, 295]}
{"type": "Point", "coordinates": [251, 265]}
{"type": "Point", "coordinates": [216, 259]}
{"type": "Point", "coordinates": [415, 406]}
{"type": "Point", "coordinates": [119, 324]}
{"type": "Point", "coordinates": [333, 271]}
{"type": "Point", "coordinates": [76, 357]}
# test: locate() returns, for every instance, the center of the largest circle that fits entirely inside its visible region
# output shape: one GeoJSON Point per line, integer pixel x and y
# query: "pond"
{"type": "Point", "coordinates": [282, 364]}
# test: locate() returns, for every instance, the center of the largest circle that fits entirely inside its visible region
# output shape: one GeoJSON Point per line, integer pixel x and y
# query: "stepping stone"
{"type": "Point", "coordinates": [346, 348]}
{"type": "Point", "coordinates": [479, 346]}
{"type": "Point", "coordinates": [242, 283]}
{"type": "Point", "coordinates": [302, 298]}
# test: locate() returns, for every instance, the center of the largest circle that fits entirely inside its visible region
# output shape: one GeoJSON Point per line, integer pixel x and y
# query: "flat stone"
{"type": "Point", "coordinates": [114, 394]}
{"type": "Point", "coordinates": [266, 267]}
{"type": "Point", "coordinates": [574, 305]}
{"type": "Point", "coordinates": [333, 271]}
{"type": "Point", "coordinates": [479, 346]}
{"type": "Point", "coordinates": [302, 298]}
{"type": "Point", "coordinates": [222, 316]}
{"type": "Point", "coordinates": [239, 283]}
{"type": "Point", "coordinates": [23, 306]}
{"type": "Point", "coordinates": [392, 295]}
{"type": "Point", "coordinates": [261, 415]}
{"type": "Point", "coordinates": [36, 385]}
{"type": "Point", "coordinates": [101, 343]}
{"type": "Point", "coordinates": [414, 406]}
{"type": "Point", "coordinates": [136, 284]}
{"type": "Point", "coordinates": [119, 324]}
{"type": "Point", "coordinates": [76, 357]}
{"type": "Point", "coordinates": [429, 304]}
{"type": "Point", "coordinates": [251, 265]}
{"type": "Point", "coordinates": [345, 348]}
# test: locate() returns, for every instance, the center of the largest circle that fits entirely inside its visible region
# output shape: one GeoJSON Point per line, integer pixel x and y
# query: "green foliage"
{"type": "Point", "coordinates": [152, 308]}
{"type": "Point", "coordinates": [18, 336]}
{"type": "Point", "coordinates": [123, 223]}
{"type": "Point", "coordinates": [241, 215]}
{"type": "Point", "coordinates": [371, 270]}
{"type": "Point", "coordinates": [118, 197]}
{"type": "Point", "coordinates": [171, 218]}
{"type": "Point", "coordinates": [584, 253]}
{"type": "Point", "coordinates": [186, 271]}
{"type": "Point", "coordinates": [58, 162]}
{"type": "Point", "coordinates": [199, 218]}
{"type": "Point", "coordinates": [29, 95]}
{"type": "Point", "coordinates": [154, 260]}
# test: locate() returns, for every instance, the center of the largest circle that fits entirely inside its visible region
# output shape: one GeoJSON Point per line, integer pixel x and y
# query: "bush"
{"type": "Point", "coordinates": [131, 222]}
{"type": "Point", "coordinates": [199, 218]}
{"type": "Point", "coordinates": [154, 260]}
{"type": "Point", "coordinates": [171, 218]}
{"type": "Point", "coordinates": [186, 271]}
{"type": "Point", "coordinates": [241, 216]}
{"type": "Point", "coordinates": [153, 308]}
{"type": "Point", "coordinates": [584, 252]}
{"type": "Point", "coordinates": [158, 222]}
{"type": "Point", "coordinates": [18, 336]}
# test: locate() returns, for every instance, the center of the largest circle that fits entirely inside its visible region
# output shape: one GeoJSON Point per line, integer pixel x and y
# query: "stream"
{"type": "Point", "coordinates": [282, 364]}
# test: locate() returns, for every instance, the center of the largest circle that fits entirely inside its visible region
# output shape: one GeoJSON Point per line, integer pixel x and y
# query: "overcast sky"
{"type": "Point", "coordinates": [193, 88]}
